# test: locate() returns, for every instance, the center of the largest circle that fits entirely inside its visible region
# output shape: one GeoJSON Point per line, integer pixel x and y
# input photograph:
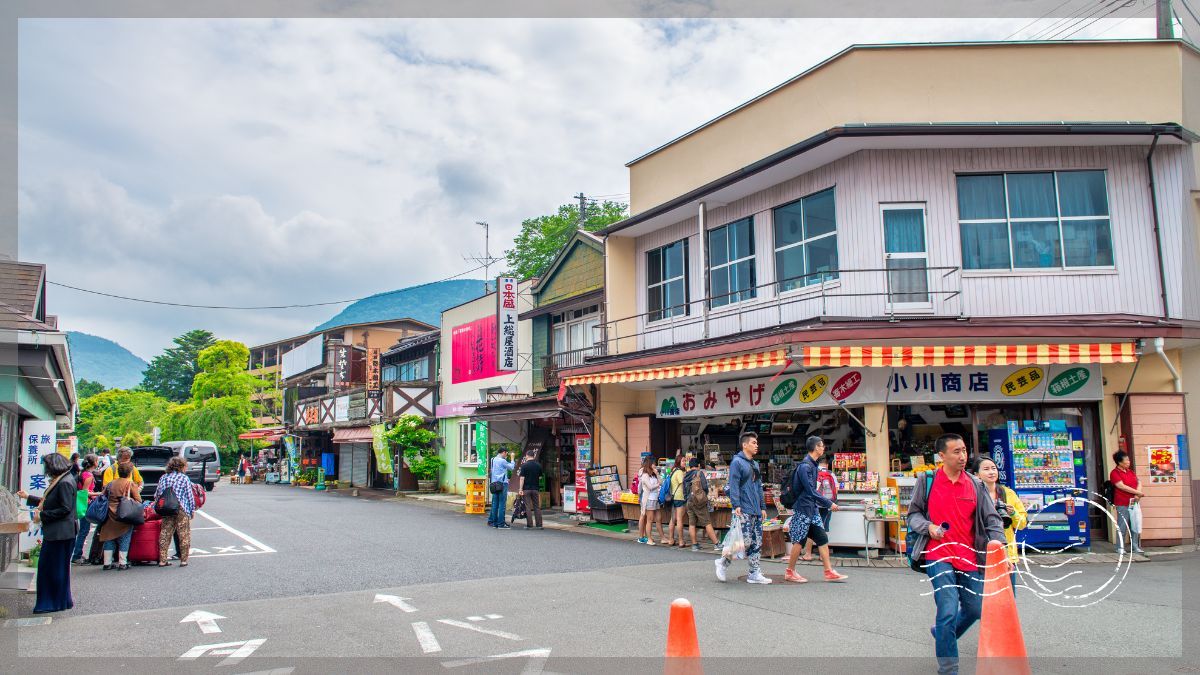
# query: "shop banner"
{"type": "Point", "coordinates": [1164, 460]}
{"type": "Point", "coordinates": [856, 386]}
{"type": "Point", "coordinates": [473, 353]}
{"type": "Point", "coordinates": [506, 322]}
{"type": "Point", "coordinates": [341, 409]}
{"type": "Point", "coordinates": [383, 457]}
{"type": "Point", "coordinates": [481, 446]}
{"type": "Point", "coordinates": [374, 381]}
{"type": "Point", "coordinates": [289, 464]}
{"type": "Point", "coordinates": [38, 439]}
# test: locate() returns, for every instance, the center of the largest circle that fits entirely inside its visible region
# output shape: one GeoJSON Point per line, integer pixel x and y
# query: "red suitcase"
{"type": "Point", "coordinates": [143, 548]}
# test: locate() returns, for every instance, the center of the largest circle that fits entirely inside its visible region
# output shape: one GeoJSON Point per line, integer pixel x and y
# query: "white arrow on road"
{"type": "Point", "coordinates": [396, 602]}
{"type": "Point", "coordinates": [207, 621]}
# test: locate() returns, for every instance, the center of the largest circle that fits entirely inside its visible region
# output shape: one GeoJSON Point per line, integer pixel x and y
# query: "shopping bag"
{"type": "Point", "coordinates": [1135, 518]}
{"type": "Point", "coordinates": [97, 511]}
{"type": "Point", "coordinates": [734, 546]}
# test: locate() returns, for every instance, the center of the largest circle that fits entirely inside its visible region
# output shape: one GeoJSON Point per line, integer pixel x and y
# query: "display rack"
{"type": "Point", "coordinates": [604, 491]}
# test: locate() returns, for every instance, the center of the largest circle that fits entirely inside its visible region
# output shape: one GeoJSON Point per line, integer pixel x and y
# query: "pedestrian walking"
{"type": "Point", "coordinates": [746, 497]}
{"type": "Point", "coordinates": [1008, 505]}
{"type": "Point", "coordinates": [88, 483]}
{"type": "Point", "coordinates": [954, 521]}
{"type": "Point", "coordinates": [678, 504]}
{"type": "Point", "coordinates": [499, 489]}
{"type": "Point", "coordinates": [648, 483]}
{"type": "Point", "coordinates": [1127, 497]}
{"type": "Point", "coordinates": [827, 488]}
{"type": "Point", "coordinates": [56, 511]}
{"type": "Point", "coordinates": [806, 524]}
{"type": "Point", "coordinates": [178, 522]}
{"type": "Point", "coordinates": [695, 486]}
{"type": "Point", "coordinates": [531, 473]}
{"type": "Point", "coordinates": [115, 534]}
{"type": "Point", "coordinates": [242, 465]}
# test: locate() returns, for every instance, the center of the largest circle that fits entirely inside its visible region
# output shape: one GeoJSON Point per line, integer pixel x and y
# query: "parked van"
{"type": "Point", "coordinates": [196, 452]}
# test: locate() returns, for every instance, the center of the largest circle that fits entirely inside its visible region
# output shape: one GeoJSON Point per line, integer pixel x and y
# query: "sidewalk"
{"type": "Point", "coordinates": [554, 519]}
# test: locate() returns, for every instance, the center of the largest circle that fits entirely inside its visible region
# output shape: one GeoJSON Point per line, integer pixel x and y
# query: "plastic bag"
{"type": "Point", "coordinates": [1135, 518]}
{"type": "Point", "coordinates": [734, 546]}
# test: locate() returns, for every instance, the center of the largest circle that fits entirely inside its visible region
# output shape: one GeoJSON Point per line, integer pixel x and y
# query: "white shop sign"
{"type": "Point", "coordinates": [856, 386]}
{"type": "Point", "coordinates": [38, 439]}
{"type": "Point", "coordinates": [341, 409]}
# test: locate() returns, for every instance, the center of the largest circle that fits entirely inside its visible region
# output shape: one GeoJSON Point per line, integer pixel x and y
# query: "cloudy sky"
{"type": "Point", "coordinates": [246, 162]}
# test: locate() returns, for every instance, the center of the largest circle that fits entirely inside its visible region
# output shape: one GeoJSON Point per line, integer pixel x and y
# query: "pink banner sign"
{"type": "Point", "coordinates": [474, 351]}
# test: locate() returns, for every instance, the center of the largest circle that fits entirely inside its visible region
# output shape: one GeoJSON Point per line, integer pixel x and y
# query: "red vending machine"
{"type": "Point", "coordinates": [583, 462]}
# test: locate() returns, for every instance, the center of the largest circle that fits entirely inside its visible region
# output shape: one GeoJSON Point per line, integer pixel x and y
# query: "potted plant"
{"type": "Point", "coordinates": [415, 441]}
{"type": "Point", "coordinates": [35, 553]}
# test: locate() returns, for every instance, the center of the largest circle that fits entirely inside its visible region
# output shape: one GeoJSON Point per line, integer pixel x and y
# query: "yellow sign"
{"type": "Point", "coordinates": [1022, 381]}
{"type": "Point", "coordinates": [813, 389]}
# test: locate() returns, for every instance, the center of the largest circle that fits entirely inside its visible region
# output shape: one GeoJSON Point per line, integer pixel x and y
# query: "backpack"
{"type": "Point", "coordinates": [911, 538]}
{"type": "Point", "coordinates": [789, 496]}
{"type": "Point", "coordinates": [167, 503]}
{"type": "Point", "coordinates": [1110, 491]}
{"type": "Point", "coordinates": [198, 494]}
{"type": "Point", "coordinates": [698, 496]}
{"type": "Point", "coordinates": [664, 490]}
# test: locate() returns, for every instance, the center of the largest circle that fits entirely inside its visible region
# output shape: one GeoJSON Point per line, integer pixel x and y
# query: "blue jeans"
{"type": "Point", "coordinates": [959, 599]}
{"type": "Point", "coordinates": [499, 502]}
{"type": "Point", "coordinates": [120, 543]}
{"type": "Point", "coordinates": [85, 526]}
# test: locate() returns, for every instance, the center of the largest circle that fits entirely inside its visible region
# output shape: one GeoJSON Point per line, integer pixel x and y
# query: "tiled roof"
{"type": "Point", "coordinates": [13, 319]}
{"type": "Point", "coordinates": [21, 286]}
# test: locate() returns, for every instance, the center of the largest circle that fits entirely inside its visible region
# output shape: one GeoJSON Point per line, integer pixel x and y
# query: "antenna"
{"type": "Point", "coordinates": [487, 258]}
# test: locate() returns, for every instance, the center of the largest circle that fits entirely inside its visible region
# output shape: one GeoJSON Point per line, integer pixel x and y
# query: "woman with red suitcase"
{"type": "Point", "coordinates": [174, 501]}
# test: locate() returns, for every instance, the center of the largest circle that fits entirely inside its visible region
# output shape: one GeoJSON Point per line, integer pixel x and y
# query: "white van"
{"type": "Point", "coordinates": [196, 452]}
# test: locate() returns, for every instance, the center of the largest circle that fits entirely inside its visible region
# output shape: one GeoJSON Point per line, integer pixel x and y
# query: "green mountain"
{"type": "Point", "coordinates": [423, 303]}
{"type": "Point", "coordinates": [104, 361]}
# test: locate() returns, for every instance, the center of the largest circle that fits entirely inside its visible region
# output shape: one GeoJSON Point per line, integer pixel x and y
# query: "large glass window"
{"type": "Point", "coordinates": [666, 281]}
{"type": "Point", "coordinates": [575, 330]}
{"type": "Point", "coordinates": [806, 241]}
{"type": "Point", "coordinates": [731, 263]}
{"type": "Point", "coordinates": [466, 443]}
{"type": "Point", "coordinates": [416, 370]}
{"type": "Point", "coordinates": [1038, 220]}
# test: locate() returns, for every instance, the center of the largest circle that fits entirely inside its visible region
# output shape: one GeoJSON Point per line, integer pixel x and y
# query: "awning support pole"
{"type": "Point", "coordinates": [799, 359]}
{"type": "Point", "coordinates": [1125, 396]}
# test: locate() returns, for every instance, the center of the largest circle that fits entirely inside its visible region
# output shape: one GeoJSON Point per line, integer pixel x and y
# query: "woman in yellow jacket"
{"type": "Point", "coordinates": [1010, 508]}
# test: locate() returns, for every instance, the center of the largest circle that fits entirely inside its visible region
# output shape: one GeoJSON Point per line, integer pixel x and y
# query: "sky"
{"type": "Point", "coordinates": [268, 162]}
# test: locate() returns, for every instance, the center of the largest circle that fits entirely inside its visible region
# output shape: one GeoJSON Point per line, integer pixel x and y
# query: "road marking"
{"type": "Point", "coordinates": [247, 538]}
{"type": "Point", "coordinates": [493, 616]}
{"type": "Point", "coordinates": [273, 671]}
{"type": "Point", "coordinates": [395, 601]}
{"type": "Point", "coordinates": [207, 621]}
{"type": "Point", "coordinates": [425, 636]}
{"type": "Point", "coordinates": [28, 621]}
{"type": "Point", "coordinates": [226, 549]}
{"type": "Point", "coordinates": [537, 660]}
{"type": "Point", "coordinates": [232, 651]}
{"type": "Point", "coordinates": [488, 631]}
{"type": "Point", "coordinates": [194, 529]}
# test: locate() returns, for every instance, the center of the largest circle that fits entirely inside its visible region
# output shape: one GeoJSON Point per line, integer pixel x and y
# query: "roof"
{"type": "Point", "coordinates": [12, 318]}
{"type": "Point", "coordinates": [582, 236]}
{"type": "Point", "coordinates": [22, 289]}
{"type": "Point", "coordinates": [423, 303]}
{"type": "Point", "coordinates": [413, 341]}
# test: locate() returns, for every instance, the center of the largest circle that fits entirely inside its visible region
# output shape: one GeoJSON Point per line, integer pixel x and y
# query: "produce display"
{"type": "Point", "coordinates": [628, 498]}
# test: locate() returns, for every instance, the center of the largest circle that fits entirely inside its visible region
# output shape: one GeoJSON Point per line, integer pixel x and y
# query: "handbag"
{"type": "Point", "coordinates": [167, 504]}
{"type": "Point", "coordinates": [81, 503]}
{"type": "Point", "coordinates": [198, 494]}
{"type": "Point", "coordinates": [130, 512]}
{"type": "Point", "coordinates": [497, 487]}
{"type": "Point", "coordinates": [97, 511]}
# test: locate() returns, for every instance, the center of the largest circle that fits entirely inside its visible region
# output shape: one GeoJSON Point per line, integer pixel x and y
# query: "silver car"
{"type": "Point", "coordinates": [200, 456]}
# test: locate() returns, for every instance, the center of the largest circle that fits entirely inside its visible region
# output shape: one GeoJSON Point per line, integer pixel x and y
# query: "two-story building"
{"type": "Point", "coordinates": [997, 240]}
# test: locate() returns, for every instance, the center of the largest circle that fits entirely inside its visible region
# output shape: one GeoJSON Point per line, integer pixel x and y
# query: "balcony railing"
{"type": "Point", "coordinates": [878, 293]}
{"type": "Point", "coordinates": [553, 363]}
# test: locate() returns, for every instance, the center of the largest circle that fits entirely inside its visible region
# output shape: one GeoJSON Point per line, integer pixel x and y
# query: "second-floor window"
{"type": "Point", "coordinates": [666, 281]}
{"type": "Point", "coordinates": [1042, 220]}
{"type": "Point", "coordinates": [575, 329]}
{"type": "Point", "coordinates": [409, 371]}
{"type": "Point", "coordinates": [731, 263]}
{"type": "Point", "coordinates": [806, 241]}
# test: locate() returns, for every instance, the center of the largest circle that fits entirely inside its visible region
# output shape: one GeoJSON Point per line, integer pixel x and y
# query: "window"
{"type": "Point", "coordinates": [410, 371]}
{"type": "Point", "coordinates": [731, 263]}
{"type": "Point", "coordinates": [806, 241]}
{"type": "Point", "coordinates": [575, 329]}
{"type": "Point", "coordinates": [1044, 220]}
{"type": "Point", "coordinates": [666, 281]}
{"type": "Point", "coordinates": [466, 443]}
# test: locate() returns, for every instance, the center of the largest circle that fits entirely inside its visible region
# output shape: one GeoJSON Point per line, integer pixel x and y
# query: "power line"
{"type": "Point", "coordinates": [1041, 32]}
{"type": "Point", "coordinates": [1143, 10]}
{"type": "Point", "coordinates": [1083, 20]}
{"type": "Point", "coordinates": [1022, 28]}
{"type": "Point", "coordinates": [1128, 3]}
{"type": "Point", "coordinates": [299, 306]}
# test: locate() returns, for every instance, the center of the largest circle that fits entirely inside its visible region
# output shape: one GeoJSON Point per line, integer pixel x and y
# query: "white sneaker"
{"type": "Point", "coordinates": [720, 565]}
{"type": "Point", "coordinates": [757, 578]}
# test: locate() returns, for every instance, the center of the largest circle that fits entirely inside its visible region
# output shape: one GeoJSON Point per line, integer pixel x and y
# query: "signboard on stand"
{"type": "Point", "coordinates": [583, 462]}
{"type": "Point", "coordinates": [506, 323]}
{"type": "Point", "coordinates": [289, 464]}
{"type": "Point", "coordinates": [37, 440]}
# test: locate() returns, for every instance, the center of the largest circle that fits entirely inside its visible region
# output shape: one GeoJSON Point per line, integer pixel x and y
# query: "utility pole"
{"type": "Point", "coordinates": [487, 255]}
{"type": "Point", "coordinates": [582, 211]}
{"type": "Point", "coordinates": [1164, 20]}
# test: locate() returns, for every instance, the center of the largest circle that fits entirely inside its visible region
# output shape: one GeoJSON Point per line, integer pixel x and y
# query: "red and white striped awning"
{"type": "Point", "coordinates": [918, 356]}
{"type": "Point", "coordinates": [776, 358]}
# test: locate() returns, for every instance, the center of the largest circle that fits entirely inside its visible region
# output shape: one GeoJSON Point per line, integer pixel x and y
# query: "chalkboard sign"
{"type": "Point", "coordinates": [603, 484]}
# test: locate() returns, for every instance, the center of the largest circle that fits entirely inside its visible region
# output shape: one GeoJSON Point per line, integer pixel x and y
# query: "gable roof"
{"type": "Point", "coordinates": [580, 236]}
{"type": "Point", "coordinates": [23, 288]}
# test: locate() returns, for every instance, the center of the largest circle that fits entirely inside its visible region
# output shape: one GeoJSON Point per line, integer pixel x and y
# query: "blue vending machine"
{"type": "Point", "coordinates": [1044, 463]}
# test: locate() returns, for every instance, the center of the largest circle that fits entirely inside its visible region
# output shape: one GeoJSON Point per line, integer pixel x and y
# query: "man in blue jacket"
{"type": "Point", "coordinates": [806, 521]}
{"type": "Point", "coordinates": [746, 495]}
{"type": "Point", "coordinates": [499, 474]}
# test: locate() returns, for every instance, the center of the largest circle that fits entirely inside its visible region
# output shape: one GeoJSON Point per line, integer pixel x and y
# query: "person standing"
{"type": "Point", "coordinates": [104, 460]}
{"type": "Point", "coordinates": [115, 534]}
{"type": "Point", "coordinates": [954, 522]}
{"type": "Point", "coordinates": [746, 497]}
{"type": "Point", "coordinates": [88, 482]}
{"type": "Point", "coordinates": [125, 456]}
{"type": "Point", "coordinates": [498, 483]}
{"type": "Point", "coordinates": [1126, 496]}
{"type": "Point", "coordinates": [806, 523]}
{"type": "Point", "coordinates": [1012, 512]}
{"type": "Point", "coordinates": [531, 474]}
{"type": "Point", "coordinates": [648, 482]}
{"type": "Point", "coordinates": [678, 504]}
{"type": "Point", "coordinates": [180, 522]}
{"type": "Point", "coordinates": [695, 486]}
{"type": "Point", "coordinates": [56, 512]}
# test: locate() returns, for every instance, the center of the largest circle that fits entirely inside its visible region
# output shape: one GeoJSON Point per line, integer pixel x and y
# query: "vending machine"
{"type": "Point", "coordinates": [1043, 462]}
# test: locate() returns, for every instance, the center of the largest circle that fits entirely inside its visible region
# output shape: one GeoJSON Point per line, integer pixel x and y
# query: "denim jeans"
{"type": "Point", "coordinates": [121, 543]}
{"type": "Point", "coordinates": [85, 526]}
{"type": "Point", "coordinates": [959, 599]}
{"type": "Point", "coordinates": [499, 502]}
{"type": "Point", "coordinates": [1124, 524]}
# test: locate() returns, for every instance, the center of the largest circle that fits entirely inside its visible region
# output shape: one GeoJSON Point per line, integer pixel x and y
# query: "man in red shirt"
{"type": "Point", "coordinates": [957, 519]}
{"type": "Point", "coordinates": [1126, 495]}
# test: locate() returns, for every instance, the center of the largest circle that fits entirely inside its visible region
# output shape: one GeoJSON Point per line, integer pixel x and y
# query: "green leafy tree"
{"type": "Point", "coordinates": [415, 441]}
{"type": "Point", "coordinates": [171, 373]}
{"type": "Point", "coordinates": [119, 412]}
{"type": "Point", "coordinates": [223, 372]}
{"type": "Point", "coordinates": [87, 388]}
{"type": "Point", "coordinates": [542, 237]}
{"type": "Point", "coordinates": [102, 442]}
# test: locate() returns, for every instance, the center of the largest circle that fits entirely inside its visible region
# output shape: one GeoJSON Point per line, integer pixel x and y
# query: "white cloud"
{"type": "Point", "coordinates": [274, 162]}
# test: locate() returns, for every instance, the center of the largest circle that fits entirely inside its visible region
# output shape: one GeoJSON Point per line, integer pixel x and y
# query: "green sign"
{"type": "Point", "coordinates": [670, 408]}
{"type": "Point", "coordinates": [1068, 381]}
{"type": "Point", "coordinates": [481, 446]}
{"type": "Point", "coordinates": [783, 392]}
{"type": "Point", "coordinates": [383, 458]}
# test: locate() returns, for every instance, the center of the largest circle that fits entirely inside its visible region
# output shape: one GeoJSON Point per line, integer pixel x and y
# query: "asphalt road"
{"type": "Point", "coordinates": [385, 586]}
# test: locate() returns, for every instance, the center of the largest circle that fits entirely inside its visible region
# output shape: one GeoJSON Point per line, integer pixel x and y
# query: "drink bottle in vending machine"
{"type": "Point", "coordinates": [1044, 463]}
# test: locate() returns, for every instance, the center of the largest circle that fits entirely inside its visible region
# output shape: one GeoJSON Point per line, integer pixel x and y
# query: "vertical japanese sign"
{"type": "Point", "coordinates": [583, 462]}
{"type": "Point", "coordinates": [481, 447]}
{"type": "Point", "coordinates": [374, 383]}
{"type": "Point", "coordinates": [383, 454]}
{"type": "Point", "coordinates": [37, 440]}
{"type": "Point", "coordinates": [506, 322]}
{"type": "Point", "coordinates": [341, 366]}
{"type": "Point", "coordinates": [290, 463]}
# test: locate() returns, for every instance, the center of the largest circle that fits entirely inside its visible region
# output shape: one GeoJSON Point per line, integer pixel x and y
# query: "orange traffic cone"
{"type": "Point", "coordinates": [1001, 642]}
{"type": "Point", "coordinates": [683, 648]}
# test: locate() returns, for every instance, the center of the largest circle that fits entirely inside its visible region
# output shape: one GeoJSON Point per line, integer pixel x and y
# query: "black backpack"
{"type": "Point", "coordinates": [912, 537]}
{"type": "Point", "coordinates": [1110, 491]}
{"type": "Point", "coordinates": [788, 497]}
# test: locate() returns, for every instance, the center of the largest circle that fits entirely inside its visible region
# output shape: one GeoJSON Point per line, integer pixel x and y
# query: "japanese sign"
{"type": "Point", "coordinates": [481, 447]}
{"type": "Point", "coordinates": [1163, 464]}
{"type": "Point", "coordinates": [341, 366]}
{"type": "Point", "coordinates": [473, 351]}
{"type": "Point", "coordinates": [374, 383]}
{"type": "Point", "coordinates": [341, 409]}
{"type": "Point", "coordinates": [37, 440]}
{"type": "Point", "coordinates": [855, 386]}
{"type": "Point", "coordinates": [506, 322]}
{"type": "Point", "coordinates": [383, 454]}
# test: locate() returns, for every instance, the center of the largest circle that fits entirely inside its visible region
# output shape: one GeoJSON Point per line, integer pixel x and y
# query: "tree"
{"type": "Point", "coordinates": [87, 388]}
{"type": "Point", "coordinates": [415, 441]}
{"type": "Point", "coordinates": [170, 374]}
{"type": "Point", "coordinates": [542, 237]}
{"type": "Point", "coordinates": [223, 372]}
{"type": "Point", "coordinates": [118, 412]}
